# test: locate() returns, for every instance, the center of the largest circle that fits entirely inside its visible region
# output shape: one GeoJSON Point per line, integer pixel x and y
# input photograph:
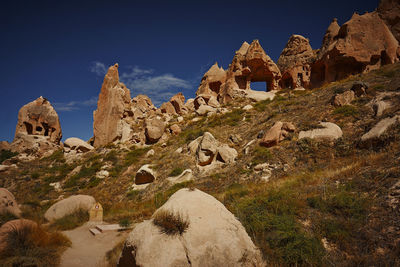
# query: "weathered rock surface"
{"type": "Point", "coordinates": [185, 176]}
{"type": "Point", "coordinates": [359, 88]}
{"type": "Point", "coordinates": [39, 118]}
{"type": "Point", "coordinates": [69, 206]}
{"type": "Point", "coordinates": [145, 175]}
{"type": "Point", "coordinates": [176, 105]}
{"type": "Point", "coordinates": [330, 131]}
{"type": "Point", "coordinates": [8, 204]}
{"type": "Point", "coordinates": [4, 145]}
{"type": "Point", "coordinates": [154, 129]}
{"type": "Point", "coordinates": [278, 132]}
{"type": "Point", "coordinates": [214, 237]}
{"type": "Point", "coordinates": [389, 11]}
{"type": "Point", "coordinates": [361, 44]}
{"type": "Point", "coordinates": [295, 63]}
{"type": "Point", "coordinates": [344, 98]}
{"type": "Point", "coordinates": [380, 128]}
{"type": "Point", "coordinates": [142, 107]}
{"type": "Point", "coordinates": [250, 64]}
{"type": "Point", "coordinates": [77, 144]}
{"type": "Point", "coordinates": [114, 102]}
{"type": "Point", "coordinates": [38, 129]}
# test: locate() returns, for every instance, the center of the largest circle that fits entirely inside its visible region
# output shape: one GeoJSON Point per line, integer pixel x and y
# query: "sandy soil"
{"type": "Point", "coordinates": [88, 250]}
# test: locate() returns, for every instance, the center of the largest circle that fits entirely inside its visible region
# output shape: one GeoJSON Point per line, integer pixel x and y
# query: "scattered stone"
{"type": "Point", "coordinates": [57, 186]}
{"type": "Point", "coordinates": [77, 144]}
{"type": "Point", "coordinates": [234, 138]}
{"type": "Point", "coordinates": [277, 133]}
{"type": "Point", "coordinates": [380, 128]}
{"type": "Point", "coordinates": [69, 206]}
{"type": "Point", "coordinates": [359, 88]}
{"type": "Point", "coordinates": [185, 176]}
{"type": "Point", "coordinates": [180, 119]}
{"type": "Point", "coordinates": [102, 174]}
{"type": "Point", "coordinates": [227, 240]}
{"type": "Point", "coordinates": [179, 150]}
{"type": "Point", "coordinates": [150, 153]}
{"type": "Point", "coordinates": [344, 98]}
{"type": "Point", "coordinates": [154, 130]}
{"type": "Point", "coordinates": [204, 110]}
{"type": "Point", "coordinates": [246, 148]}
{"type": "Point", "coordinates": [8, 204]}
{"type": "Point", "coordinates": [330, 131]}
{"type": "Point", "coordinates": [175, 129]}
{"type": "Point", "coordinates": [248, 107]}
{"type": "Point", "coordinates": [145, 175]}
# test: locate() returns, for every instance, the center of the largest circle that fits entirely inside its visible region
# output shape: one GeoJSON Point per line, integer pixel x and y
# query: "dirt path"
{"type": "Point", "coordinates": [88, 250]}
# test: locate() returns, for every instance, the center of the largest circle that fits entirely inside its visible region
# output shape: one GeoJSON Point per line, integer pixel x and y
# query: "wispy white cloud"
{"type": "Point", "coordinates": [98, 68]}
{"type": "Point", "coordinates": [75, 105]}
{"type": "Point", "coordinates": [160, 88]}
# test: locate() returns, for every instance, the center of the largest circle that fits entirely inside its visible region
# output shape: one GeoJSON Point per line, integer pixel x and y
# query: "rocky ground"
{"type": "Point", "coordinates": [304, 201]}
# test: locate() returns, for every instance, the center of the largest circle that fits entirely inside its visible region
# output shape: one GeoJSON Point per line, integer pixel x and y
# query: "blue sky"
{"type": "Point", "coordinates": [61, 49]}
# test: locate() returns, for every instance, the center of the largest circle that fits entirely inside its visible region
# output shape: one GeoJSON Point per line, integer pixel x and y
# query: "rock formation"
{"type": "Point", "coordinates": [362, 44]}
{"type": "Point", "coordinates": [69, 206]}
{"type": "Point", "coordinates": [175, 106]}
{"type": "Point", "coordinates": [373, 135]}
{"type": "Point", "coordinates": [389, 11]}
{"type": "Point", "coordinates": [112, 107]}
{"type": "Point", "coordinates": [38, 128]}
{"type": "Point", "coordinates": [213, 237]}
{"type": "Point", "coordinates": [8, 204]}
{"type": "Point", "coordinates": [295, 63]}
{"type": "Point", "coordinates": [278, 132]}
{"type": "Point", "coordinates": [250, 64]}
{"type": "Point", "coordinates": [344, 98]}
{"type": "Point", "coordinates": [154, 129]}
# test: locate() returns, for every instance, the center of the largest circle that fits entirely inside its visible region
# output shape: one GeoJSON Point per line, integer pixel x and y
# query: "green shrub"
{"type": "Point", "coordinates": [192, 134]}
{"type": "Point", "coordinates": [134, 155]}
{"type": "Point", "coordinates": [125, 223]}
{"type": "Point", "coordinates": [261, 155]}
{"type": "Point", "coordinates": [176, 171]}
{"type": "Point", "coordinates": [57, 156]}
{"type": "Point", "coordinates": [234, 117]}
{"type": "Point", "coordinates": [346, 111]}
{"type": "Point", "coordinates": [6, 154]}
{"type": "Point", "coordinates": [132, 194]}
{"type": "Point", "coordinates": [261, 105]}
{"type": "Point", "coordinates": [71, 221]}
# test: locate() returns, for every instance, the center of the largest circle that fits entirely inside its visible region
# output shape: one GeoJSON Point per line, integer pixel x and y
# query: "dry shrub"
{"type": "Point", "coordinates": [33, 246]}
{"type": "Point", "coordinates": [170, 223]}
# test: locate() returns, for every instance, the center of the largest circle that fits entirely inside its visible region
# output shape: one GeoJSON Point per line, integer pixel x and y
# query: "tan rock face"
{"type": "Point", "coordinates": [295, 63]}
{"type": "Point", "coordinates": [69, 206]}
{"type": "Point", "coordinates": [141, 107]}
{"type": "Point", "coordinates": [4, 145]}
{"type": "Point", "coordinates": [176, 105]}
{"type": "Point", "coordinates": [250, 64]}
{"type": "Point", "coordinates": [8, 204]}
{"type": "Point", "coordinates": [278, 132]}
{"type": "Point", "coordinates": [77, 144]}
{"type": "Point", "coordinates": [39, 118]}
{"type": "Point", "coordinates": [344, 98]}
{"type": "Point", "coordinates": [389, 11]}
{"type": "Point", "coordinates": [114, 101]}
{"type": "Point", "coordinates": [362, 44]}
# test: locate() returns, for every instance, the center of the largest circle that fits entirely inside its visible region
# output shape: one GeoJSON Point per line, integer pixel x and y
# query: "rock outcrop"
{"type": "Point", "coordinates": [154, 129]}
{"type": "Point", "coordinates": [113, 105]}
{"type": "Point", "coordinates": [278, 132]}
{"type": "Point", "coordinates": [38, 128]}
{"type": "Point", "coordinates": [250, 64]}
{"type": "Point", "coordinates": [361, 44]}
{"type": "Point", "coordinates": [8, 204]}
{"type": "Point", "coordinates": [295, 63]}
{"type": "Point", "coordinates": [210, 152]}
{"type": "Point", "coordinates": [69, 206]}
{"type": "Point", "coordinates": [329, 131]}
{"type": "Point", "coordinates": [175, 106]}
{"type": "Point", "coordinates": [380, 128]}
{"type": "Point", "coordinates": [344, 98]}
{"type": "Point", "coordinates": [214, 237]}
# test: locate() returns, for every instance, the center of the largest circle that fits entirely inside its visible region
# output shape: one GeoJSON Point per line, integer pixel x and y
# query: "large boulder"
{"type": "Point", "coordinates": [328, 131]}
{"type": "Point", "coordinates": [77, 144]}
{"type": "Point", "coordinates": [114, 102]}
{"type": "Point", "coordinates": [145, 175]}
{"type": "Point", "coordinates": [176, 105]}
{"type": "Point", "coordinates": [295, 63]}
{"type": "Point", "coordinates": [154, 129]}
{"type": "Point", "coordinates": [69, 206]}
{"type": "Point", "coordinates": [380, 128]}
{"type": "Point", "coordinates": [8, 204]}
{"type": "Point", "coordinates": [361, 44]}
{"type": "Point", "coordinates": [344, 98]}
{"type": "Point", "coordinates": [213, 236]}
{"type": "Point", "coordinates": [141, 107]}
{"type": "Point", "coordinates": [278, 132]}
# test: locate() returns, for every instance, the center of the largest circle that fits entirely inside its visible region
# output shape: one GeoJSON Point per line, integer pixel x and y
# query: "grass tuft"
{"type": "Point", "coordinates": [170, 223]}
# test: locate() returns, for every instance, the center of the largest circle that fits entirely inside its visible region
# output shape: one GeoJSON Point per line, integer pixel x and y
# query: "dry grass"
{"type": "Point", "coordinates": [170, 223]}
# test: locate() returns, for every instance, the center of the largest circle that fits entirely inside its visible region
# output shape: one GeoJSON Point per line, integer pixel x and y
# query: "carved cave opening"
{"type": "Point", "coordinates": [215, 87]}
{"type": "Point", "coordinates": [28, 127]}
